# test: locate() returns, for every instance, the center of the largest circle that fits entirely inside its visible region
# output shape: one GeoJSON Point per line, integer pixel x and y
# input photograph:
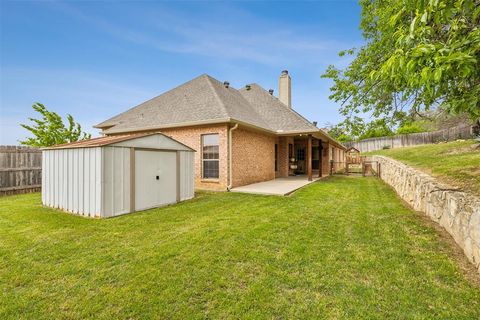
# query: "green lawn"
{"type": "Point", "coordinates": [344, 248]}
{"type": "Point", "coordinates": [456, 163]}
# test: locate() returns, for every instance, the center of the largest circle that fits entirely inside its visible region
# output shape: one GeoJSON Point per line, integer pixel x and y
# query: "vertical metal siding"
{"type": "Point", "coordinates": [55, 178]}
{"type": "Point", "coordinates": [45, 184]}
{"type": "Point", "coordinates": [76, 183]}
{"type": "Point", "coordinates": [71, 177]}
{"type": "Point", "coordinates": [187, 174]}
{"type": "Point", "coordinates": [69, 202]}
{"type": "Point", "coordinates": [87, 182]}
{"type": "Point", "coordinates": [59, 173]}
{"type": "Point", "coordinates": [43, 177]}
{"type": "Point", "coordinates": [97, 181]}
{"type": "Point", "coordinates": [81, 179]}
{"type": "Point", "coordinates": [116, 175]}
{"type": "Point", "coordinates": [65, 181]}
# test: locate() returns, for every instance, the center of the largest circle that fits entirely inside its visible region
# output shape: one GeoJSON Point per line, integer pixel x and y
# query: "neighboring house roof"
{"type": "Point", "coordinates": [205, 100]}
{"type": "Point", "coordinates": [352, 149]}
{"type": "Point", "coordinates": [109, 140]}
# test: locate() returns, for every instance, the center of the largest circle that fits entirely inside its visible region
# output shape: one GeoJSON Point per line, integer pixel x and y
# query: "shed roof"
{"type": "Point", "coordinates": [108, 140]}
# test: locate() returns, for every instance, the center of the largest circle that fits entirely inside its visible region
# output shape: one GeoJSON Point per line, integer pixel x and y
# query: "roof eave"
{"type": "Point", "coordinates": [313, 131]}
{"type": "Point", "coordinates": [167, 126]}
{"type": "Point", "coordinates": [295, 132]}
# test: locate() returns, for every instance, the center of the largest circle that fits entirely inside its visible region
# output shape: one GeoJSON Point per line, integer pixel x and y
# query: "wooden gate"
{"type": "Point", "coordinates": [364, 166]}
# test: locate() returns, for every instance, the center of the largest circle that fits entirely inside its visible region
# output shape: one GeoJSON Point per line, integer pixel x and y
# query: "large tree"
{"type": "Point", "coordinates": [419, 55]}
{"type": "Point", "coordinates": [50, 129]}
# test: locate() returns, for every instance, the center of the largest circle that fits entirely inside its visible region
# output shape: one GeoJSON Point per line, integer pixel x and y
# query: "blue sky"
{"type": "Point", "coordinates": [96, 59]}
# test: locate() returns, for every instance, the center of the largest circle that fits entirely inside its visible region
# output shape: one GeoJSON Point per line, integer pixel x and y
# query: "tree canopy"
{"type": "Point", "coordinates": [50, 129]}
{"type": "Point", "coordinates": [419, 55]}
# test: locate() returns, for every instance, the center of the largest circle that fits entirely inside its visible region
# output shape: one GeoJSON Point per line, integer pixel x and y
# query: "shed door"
{"type": "Point", "coordinates": [155, 178]}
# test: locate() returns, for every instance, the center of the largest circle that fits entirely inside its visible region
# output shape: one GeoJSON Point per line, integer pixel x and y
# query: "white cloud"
{"type": "Point", "coordinates": [247, 38]}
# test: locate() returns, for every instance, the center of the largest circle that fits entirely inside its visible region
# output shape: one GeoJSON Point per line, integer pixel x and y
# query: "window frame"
{"type": "Point", "coordinates": [203, 159]}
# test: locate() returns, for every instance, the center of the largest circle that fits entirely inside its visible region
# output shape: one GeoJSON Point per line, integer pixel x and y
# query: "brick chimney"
{"type": "Point", "coordinates": [285, 89]}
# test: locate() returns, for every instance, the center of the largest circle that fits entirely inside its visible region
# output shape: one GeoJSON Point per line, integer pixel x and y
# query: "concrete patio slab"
{"type": "Point", "coordinates": [278, 187]}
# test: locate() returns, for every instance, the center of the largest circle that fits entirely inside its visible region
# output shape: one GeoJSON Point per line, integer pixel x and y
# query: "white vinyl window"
{"type": "Point", "coordinates": [210, 156]}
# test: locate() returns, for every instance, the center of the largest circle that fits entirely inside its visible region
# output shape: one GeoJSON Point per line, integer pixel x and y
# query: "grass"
{"type": "Point", "coordinates": [344, 248]}
{"type": "Point", "coordinates": [456, 163]}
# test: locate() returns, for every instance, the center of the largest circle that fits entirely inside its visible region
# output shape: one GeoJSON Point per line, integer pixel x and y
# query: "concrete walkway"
{"type": "Point", "coordinates": [278, 187]}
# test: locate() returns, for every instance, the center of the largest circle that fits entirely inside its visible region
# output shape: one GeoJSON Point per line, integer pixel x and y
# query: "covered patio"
{"type": "Point", "coordinates": [311, 155]}
{"type": "Point", "coordinates": [279, 186]}
{"type": "Point", "coordinates": [300, 159]}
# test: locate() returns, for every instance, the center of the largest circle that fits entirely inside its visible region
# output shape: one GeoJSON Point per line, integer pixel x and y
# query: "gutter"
{"type": "Point", "coordinates": [230, 178]}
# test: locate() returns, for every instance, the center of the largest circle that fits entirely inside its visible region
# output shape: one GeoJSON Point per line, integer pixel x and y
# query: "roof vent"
{"type": "Point", "coordinates": [315, 123]}
{"type": "Point", "coordinates": [271, 92]}
{"type": "Point", "coordinates": [226, 84]}
{"type": "Point", "coordinates": [248, 87]}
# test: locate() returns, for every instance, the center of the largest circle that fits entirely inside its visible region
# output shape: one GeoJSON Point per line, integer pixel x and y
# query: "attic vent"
{"type": "Point", "coordinates": [248, 87]}
{"type": "Point", "coordinates": [271, 92]}
{"type": "Point", "coordinates": [226, 84]}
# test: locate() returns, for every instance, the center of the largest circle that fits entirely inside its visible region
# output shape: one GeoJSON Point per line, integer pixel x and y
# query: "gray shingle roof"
{"type": "Point", "coordinates": [206, 100]}
{"type": "Point", "coordinates": [274, 112]}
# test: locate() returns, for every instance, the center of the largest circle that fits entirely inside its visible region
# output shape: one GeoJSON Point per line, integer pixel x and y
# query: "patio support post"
{"type": "Point", "coordinates": [320, 162]}
{"type": "Point", "coordinates": [309, 157]}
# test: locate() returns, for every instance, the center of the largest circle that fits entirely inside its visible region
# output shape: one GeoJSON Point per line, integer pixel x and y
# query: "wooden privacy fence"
{"type": "Point", "coordinates": [413, 139]}
{"type": "Point", "coordinates": [20, 170]}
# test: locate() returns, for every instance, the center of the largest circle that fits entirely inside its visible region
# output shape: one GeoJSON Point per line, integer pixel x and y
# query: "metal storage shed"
{"type": "Point", "coordinates": [110, 176]}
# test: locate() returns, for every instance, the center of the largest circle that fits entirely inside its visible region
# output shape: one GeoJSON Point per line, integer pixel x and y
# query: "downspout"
{"type": "Point", "coordinates": [230, 179]}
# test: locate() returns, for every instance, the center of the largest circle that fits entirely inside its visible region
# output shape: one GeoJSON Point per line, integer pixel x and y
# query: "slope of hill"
{"type": "Point", "coordinates": [456, 163]}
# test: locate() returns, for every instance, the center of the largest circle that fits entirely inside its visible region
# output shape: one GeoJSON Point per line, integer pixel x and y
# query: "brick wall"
{"type": "Point", "coordinates": [191, 136]}
{"type": "Point", "coordinates": [253, 157]}
{"type": "Point", "coordinates": [325, 158]}
{"type": "Point", "coordinates": [283, 160]}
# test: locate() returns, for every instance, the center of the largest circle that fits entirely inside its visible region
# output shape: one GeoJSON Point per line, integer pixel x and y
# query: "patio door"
{"type": "Point", "coordinates": [315, 158]}
{"type": "Point", "coordinates": [301, 161]}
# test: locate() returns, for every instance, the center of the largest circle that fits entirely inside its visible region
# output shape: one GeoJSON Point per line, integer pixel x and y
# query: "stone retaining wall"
{"type": "Point", "coordinates": [456, 211]}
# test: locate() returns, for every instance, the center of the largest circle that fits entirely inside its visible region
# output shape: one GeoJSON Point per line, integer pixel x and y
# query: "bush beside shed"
{"type": "Point", "coordinates": [115, 175]}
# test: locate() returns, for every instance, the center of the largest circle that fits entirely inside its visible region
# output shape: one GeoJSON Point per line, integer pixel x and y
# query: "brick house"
{"type": "Point", "coordinates": [241, 136]}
